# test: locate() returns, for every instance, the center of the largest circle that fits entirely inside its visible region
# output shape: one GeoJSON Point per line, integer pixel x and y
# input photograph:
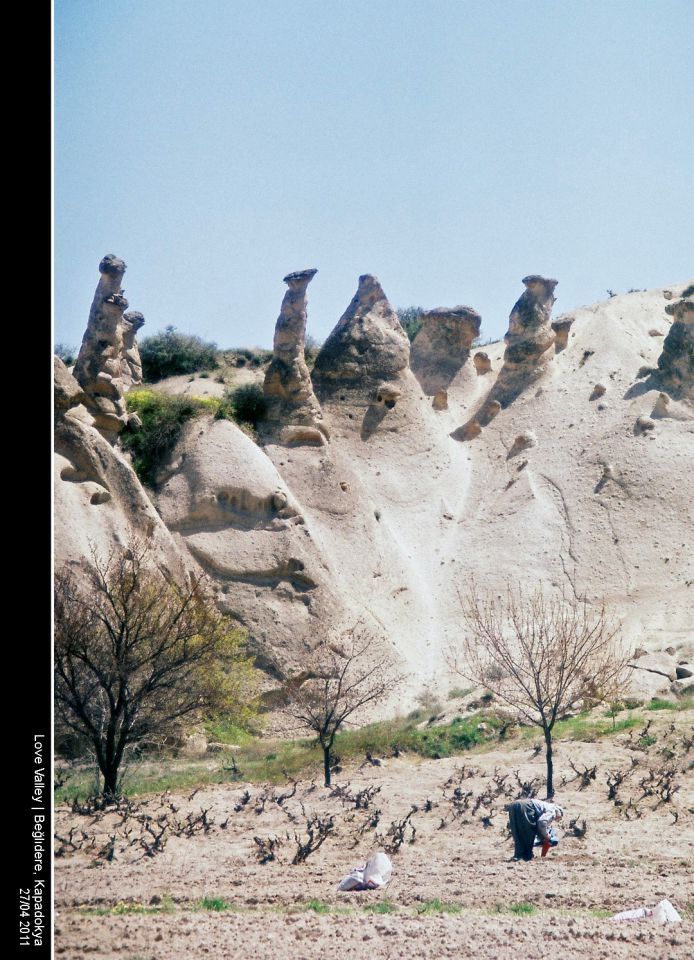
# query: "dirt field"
{"type": "Point", "coordinates": [453, 892]}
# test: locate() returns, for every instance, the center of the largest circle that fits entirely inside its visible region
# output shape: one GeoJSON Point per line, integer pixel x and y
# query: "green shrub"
{"type": "Point", "coordinates": [162, 419]}
{"type": "Point", "coordinates": [311, 349]}
{"type": "Point", "coordinates": [246, 404]}
{"type": "Point", "coordinates": [218, 904]}
{"type": "Point", "coordinates": [522, 909]}
{"type": "Point", "coordinates": [170, 353]}
{"type": "Point", "coordinates": [410, 320]}
{"type": "Point", "coordinates": [66, 353]}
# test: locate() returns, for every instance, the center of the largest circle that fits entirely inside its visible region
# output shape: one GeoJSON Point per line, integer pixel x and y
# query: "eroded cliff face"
{"type": "Point", "coordinates": [99, 503]}
{"type": "Point", "coordinates": [574, 477]}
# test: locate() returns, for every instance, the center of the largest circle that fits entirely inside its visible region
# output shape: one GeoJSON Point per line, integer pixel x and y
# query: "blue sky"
{"type": "Point", "coordinates": [449, 148]}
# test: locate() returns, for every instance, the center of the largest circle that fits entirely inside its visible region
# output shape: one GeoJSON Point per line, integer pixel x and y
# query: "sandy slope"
{"type": "Point", "coordinates": [394, 516]}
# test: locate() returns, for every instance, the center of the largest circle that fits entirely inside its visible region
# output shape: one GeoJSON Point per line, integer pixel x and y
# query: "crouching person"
{"type": "Point", "coordinates": [531, 819]}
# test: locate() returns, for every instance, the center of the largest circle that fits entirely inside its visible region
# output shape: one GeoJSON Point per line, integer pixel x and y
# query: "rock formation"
{"type": "Point", "coordinates": [131, 364]}
{"type": "Point", "coordinates": [529, 343]}
{"type": "Point", "coordinates": [482, 363]}
{"type": "Point", "coordinates": [561, 327]}
{"type": "Point", "coordinates": [443, 345]}
{"type": "Point", "coordinates": [367, 348]}
{"type": "Point", "coordinates": [385, 523]}
{"type": "Point", "coordinates": [99, 500]}
{"type": "Point", "coordinates": [676, 362]}
{"type": "Point", "coordinates": [288, 388]}
{"type": "Point", "coordinates": [529, 339]}
{"type": "Point", "coordinates": [109, 361]}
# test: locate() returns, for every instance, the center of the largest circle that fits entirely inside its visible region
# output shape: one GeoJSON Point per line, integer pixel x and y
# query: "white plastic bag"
{"type": "Point", "coordinates": [376, 872]}
{"type": "Point", "coordinates": [664, 912]}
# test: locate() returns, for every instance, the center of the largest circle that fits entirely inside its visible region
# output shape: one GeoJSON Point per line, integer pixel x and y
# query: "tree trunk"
{"type": "Point", "coordinates": [326, 765]}
{"type": "Point", "coordinates": [110, 775]}
{"type": "Point", "coordinates": [550, 763]}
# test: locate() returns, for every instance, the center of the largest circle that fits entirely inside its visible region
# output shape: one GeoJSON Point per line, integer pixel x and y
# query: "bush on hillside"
{"type": "Point", "coordinates": [245, 404]}
{"type": "Point", "coordinates": [170, 353]}
{"type": "Point", "coordinates": [66, 353]}
{"type": "Point", "coordinates": [162, 419]}
{"type": "Point", "coordinates": [410, 320]}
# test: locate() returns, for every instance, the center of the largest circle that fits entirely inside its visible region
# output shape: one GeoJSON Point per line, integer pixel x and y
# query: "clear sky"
{"type": "Point", "coordinates": [450, 147]}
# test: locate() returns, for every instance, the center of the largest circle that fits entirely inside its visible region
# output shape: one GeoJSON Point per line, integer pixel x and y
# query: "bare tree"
{"type": "Point", "coordinates": [339, 679]}
{"type": "Point", "coordinates": [542, 655]}
{"type": "Point", "coordinates": [134, 652]}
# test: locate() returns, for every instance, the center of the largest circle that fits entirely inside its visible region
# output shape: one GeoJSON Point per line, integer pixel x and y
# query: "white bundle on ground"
{"type": "Point", "coordinates": [664, 912]}
{"type": "Point", "coordinates": [376, 872]}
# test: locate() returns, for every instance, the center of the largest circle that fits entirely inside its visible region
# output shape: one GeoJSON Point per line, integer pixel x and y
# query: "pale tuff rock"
{"type": "Point", "coordinates": [288, 388]}
{"type": "Point", "coordinates": [522, 442]}
{"type": "Point", "coordinates": [109, 361]}
{"type": "Point", "coordinates": [530, 335]}
{"type": "Point", "coordinates": [529, 340]}
{"type": "Point", "coordinates": [676, 362]}
{"type": "Point", "coordinates": [561, 328]}
{"type": "Point", "coordinates": [442, 345]}
{"type": "Point", "coordinates": [368, 346]}
{"type": "Point", "coordinates": [660, 408]}
{"type": "Point", "coordinates": [67, 392]}
{"type": "Point", "coordinates": [300, 436]}
{"type": "Point", "coordinates": [131, 364]}
{"type": "Point", "coordinates": [482, 363]}
{"type": "Point", "coordinates": [387, 395]}
{"type": "Point", "coordinates": [99, 501]}
{"type": "Point", "coordinates": [644, 424]}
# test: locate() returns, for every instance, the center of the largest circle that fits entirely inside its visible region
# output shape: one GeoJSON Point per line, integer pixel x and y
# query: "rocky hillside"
{"type": "Point", "coordinates": [389, 476]}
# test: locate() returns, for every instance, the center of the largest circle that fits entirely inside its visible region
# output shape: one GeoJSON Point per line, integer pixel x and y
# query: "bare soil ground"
{"type": "Point", "coordinates": [454, 891]}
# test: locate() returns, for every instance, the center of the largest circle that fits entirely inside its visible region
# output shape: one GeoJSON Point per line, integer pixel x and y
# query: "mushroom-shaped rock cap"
{"type": "Point", "coordinates": [300, 276]}
{"type": "Point", "coordinates": [113, 265]}
{"type": "Point", "coordinates": [443, 345]}
{"type": "Point", "coordinates": [454, 313]}
{"type": "Point", "coordinates": [135, 319]}
{"type": "Point", "coordinates": [534, 280]}
{"type": "Point", "coordinates": [682, 309]}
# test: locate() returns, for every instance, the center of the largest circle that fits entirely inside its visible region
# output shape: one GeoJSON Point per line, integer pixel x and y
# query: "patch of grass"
{"type": "Point", "coordinates": [383, 906]}
{"type": "Point", "coordinates": [222, 730]}
{"type": "Point", "coordinates": [586, 728]}
{"type": "Point", "coordinates": [318, 906]}
{"type": "Point", "coordinates": [522, 909]}
{"type": "Point", "coordinates": [217, 904]}
{"type": "Point", "coordinates": [457, 693]}
{"type": "Point", "coordinates": [600, 914]}
{"type": "Point", "coordinates": [658, 704]}
{"type": "Point", "coordinates": [688, 910]}
{"type": "Point", "coordinates": [438, 906]}
{"type": "Point", "coordinates": [120, 910]}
